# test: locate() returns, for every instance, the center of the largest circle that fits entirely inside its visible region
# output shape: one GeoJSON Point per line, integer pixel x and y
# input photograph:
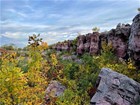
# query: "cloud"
{"type": "Point", "coordinates": [54, 15]}
{"type": "Point", "coordinates": [12, 26]}
{"type": "Point", "coordinates": [58, 20]}
{"type": "Point", "coordinates": [17, 13]}
{"type": "Point", "coordinates": [29, 7]}
{"type": "Point", "coordinates": [20, 39]}
{"type": "Point", "coordinates": [15, 35]}
{"type": "Point", "coordinates": [22, 27]}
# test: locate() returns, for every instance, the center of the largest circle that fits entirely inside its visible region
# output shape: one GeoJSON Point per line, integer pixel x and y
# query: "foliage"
{"type": "Point", "coordinates": [9, 47]}
{"type": "Point", "coordinates": [19, 86]}
{"type": "Point", "coordinates": [23, 79]}
{"type": "Point", "coordinates": [74, 44]}
{"type": "Point", "coordinates": [139, 9]}
{"type": "Point", "coordinates": [79, 79]}
{"type": "Point", "coordinates": [96, 29]}
{"type": "Point", "coordinates": [12, 81]}
{"type": "Point", "coordinates": [71, 97]}
{"type": "Point", "coordinates": [109, 60]}
{"type": "Point", "coordinates": [35, 79]}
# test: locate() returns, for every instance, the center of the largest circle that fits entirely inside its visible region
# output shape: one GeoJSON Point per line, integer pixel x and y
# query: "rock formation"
{"type": "Point", "coordinates": [63, 46]}
{"type": "Point", "coordinates": [125, 40]}
{"type": "Point", "coordinates": [134, 39]}
{"type": "Point", "coordinates": [80, 44]}
{"type": "Point", "coordinates": [88, 43]}
{"type": "Point", "coordinates": [119, 39]}
{"type": "Point", "coordinates": [94, 43]}
{"type": "Point", "coordinates": [115, 89]}
{"type": "Point", "coordinates": [91, 42]}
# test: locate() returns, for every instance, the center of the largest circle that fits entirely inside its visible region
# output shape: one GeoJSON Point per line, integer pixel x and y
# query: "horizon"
{"type": "Point", "coordinates": [59, 20]}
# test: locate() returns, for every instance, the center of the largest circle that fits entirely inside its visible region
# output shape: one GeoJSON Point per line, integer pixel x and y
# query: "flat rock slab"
{"type": "Point", "coordinates": [115, 89]}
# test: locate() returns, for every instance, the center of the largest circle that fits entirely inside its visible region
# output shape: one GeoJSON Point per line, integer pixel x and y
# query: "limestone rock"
{"type": "Point", "coordinates": [115, 89]}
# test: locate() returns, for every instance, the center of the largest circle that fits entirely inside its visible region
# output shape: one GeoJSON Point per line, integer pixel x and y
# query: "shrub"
{"type": "Point", "coordinates": [12, 81]}
{"type": "Point", "coordinates": [28, 87]}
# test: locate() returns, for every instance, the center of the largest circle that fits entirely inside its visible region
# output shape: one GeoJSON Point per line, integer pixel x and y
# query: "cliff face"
{"type": "Point", "coordinates": [118, 38]}
{"type": "Point", "coordinates": [125, 40]}
{"type": "Point", "coordinates": [88, 43]}
{"type": "Point", "coordinates": [134, 39]}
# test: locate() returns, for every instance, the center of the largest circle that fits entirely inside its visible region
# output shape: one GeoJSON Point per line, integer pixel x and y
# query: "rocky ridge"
{"type": "Point", "coordinates": [125, 41]}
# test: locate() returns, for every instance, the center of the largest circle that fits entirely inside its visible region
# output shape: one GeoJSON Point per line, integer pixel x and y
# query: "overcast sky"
{"type": "Point", "coordinates": [58, 20]}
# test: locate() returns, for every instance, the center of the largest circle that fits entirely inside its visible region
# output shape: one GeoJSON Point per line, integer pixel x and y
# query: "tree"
{"type": "Point", "coordinates": [96, 29]}
{"type": "Point", "coordinates": [139, 10]}
{"type": "Point", "coordinates": [9, 47]}
{"type": "Point", "coordinates": [18, 87]}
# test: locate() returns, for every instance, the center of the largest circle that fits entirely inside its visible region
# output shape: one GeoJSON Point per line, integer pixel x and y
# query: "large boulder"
{"type": "Point", "coordinates": [115, 89]}
{"type": "Point", "coordinates": [134, 39]}
{"type": "Point", "coordinates": [53, 90]}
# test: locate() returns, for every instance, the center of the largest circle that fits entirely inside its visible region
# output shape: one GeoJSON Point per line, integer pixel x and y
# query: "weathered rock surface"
{"type": "Point", "coordinates": [80, 44]}
{"type": "Point", "coordinates": [63, 46]}
{"type": "Point", "coordinates": [115, 89]}
{"type": "Point", "coordinates": [68, 57]}
{"type": "Point", "coordinates": [134, 39]}
{"type": "Point", "coordinates": [71, 58]}
{"type": "Point", "coordinates": [88, 43]}
{"type": "Point", "coordinates": [54, 89]}
{"type": "Point", "coordinates": [92, 42]}
{"type": "Point", "coordinates": [119, 39]}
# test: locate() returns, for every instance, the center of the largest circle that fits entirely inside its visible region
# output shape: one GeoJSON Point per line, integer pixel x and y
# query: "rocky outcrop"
{"type": "Point", "coordinates": [92, 42]}
{"type": "Point", "coordinates": [125, 41]}
{"type": "Point", "coordinates": [88, 43]}
{"type": "Point", "coordinates": [134, 39]}
{"type": "Point", "coordinates": [119, 39]}
{"type": "Point", "coordinates": [80, 44]}
{"type": "Point", "coordinates": [63, 46]}
{"type": "Point", "coordinates": [115, 89]}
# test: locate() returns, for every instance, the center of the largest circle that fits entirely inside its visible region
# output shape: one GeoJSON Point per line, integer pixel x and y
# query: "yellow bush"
{"type": "Point", "coordinates": [108, 59]}
{"type": "Point", "coordinates": [24, 88]}
{"type": "Point", "coordinates": [12, 81]}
